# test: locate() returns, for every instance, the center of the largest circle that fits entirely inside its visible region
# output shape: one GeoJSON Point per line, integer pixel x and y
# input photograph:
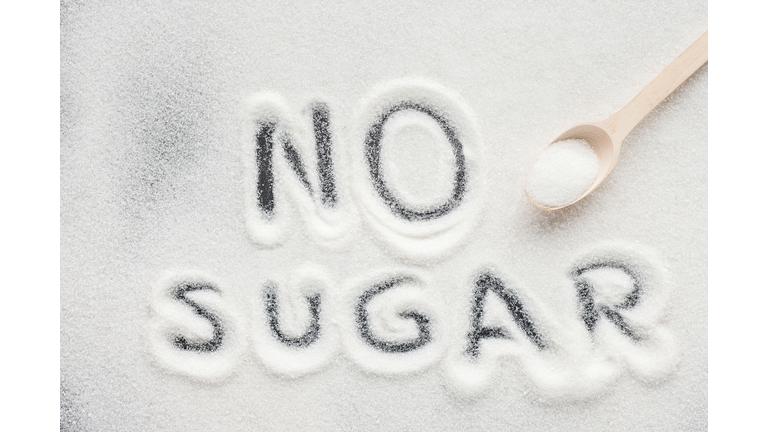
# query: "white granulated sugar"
{"type": "Point", "coordinates": [313, 216]}
{"type": "Point", "coordinates": [418, 158]}
{"type": "Point", "coordinates": [562, 173]}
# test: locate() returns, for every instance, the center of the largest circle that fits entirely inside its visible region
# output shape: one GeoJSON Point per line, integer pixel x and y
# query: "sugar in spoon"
{"type": "Point", "coordinates": [605, 137]}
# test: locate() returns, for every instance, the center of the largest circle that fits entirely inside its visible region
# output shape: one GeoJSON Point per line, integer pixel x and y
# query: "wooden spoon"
{"type": "Point", "coordinates": [605, 137]}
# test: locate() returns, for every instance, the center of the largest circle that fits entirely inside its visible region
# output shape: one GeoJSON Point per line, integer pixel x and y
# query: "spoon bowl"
{"type": "Point", "coordinates": [605, 137]}
{"type": "Point", "coordinates": [607, 151]}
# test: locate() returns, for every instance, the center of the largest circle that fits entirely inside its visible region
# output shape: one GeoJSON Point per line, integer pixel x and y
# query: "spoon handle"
{"type": "Point", "coordinates": [625, 119]}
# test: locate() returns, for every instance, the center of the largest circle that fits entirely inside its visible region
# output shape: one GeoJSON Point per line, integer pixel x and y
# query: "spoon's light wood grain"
{"type": "Point", "coordinates": [605, 137]}
{"type": "Point", "coordinates": [624, 120]}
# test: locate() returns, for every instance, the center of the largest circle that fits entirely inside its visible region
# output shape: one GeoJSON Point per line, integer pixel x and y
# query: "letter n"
{"type": "Point", "coordinates": [276, 159]}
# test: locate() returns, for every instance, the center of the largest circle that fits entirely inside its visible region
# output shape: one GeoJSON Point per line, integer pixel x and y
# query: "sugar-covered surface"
{"type": "Point", "coordinates": [151, 181]}
{"type": "Point", "coordinates": [563, 172]}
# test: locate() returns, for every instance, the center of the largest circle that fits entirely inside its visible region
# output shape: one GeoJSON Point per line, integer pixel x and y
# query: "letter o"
{"type": "Point", "coordinates": [428, 233]}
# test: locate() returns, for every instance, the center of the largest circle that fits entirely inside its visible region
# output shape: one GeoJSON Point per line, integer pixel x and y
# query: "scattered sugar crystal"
{"type": "Point", "coordinates": [152, 180]}
{"type": "Point", "coordinates": [562, 173]}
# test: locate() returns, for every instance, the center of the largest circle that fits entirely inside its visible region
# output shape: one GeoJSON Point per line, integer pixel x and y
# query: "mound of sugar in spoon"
{"type": "Point", "coordinates": [562, 173]}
